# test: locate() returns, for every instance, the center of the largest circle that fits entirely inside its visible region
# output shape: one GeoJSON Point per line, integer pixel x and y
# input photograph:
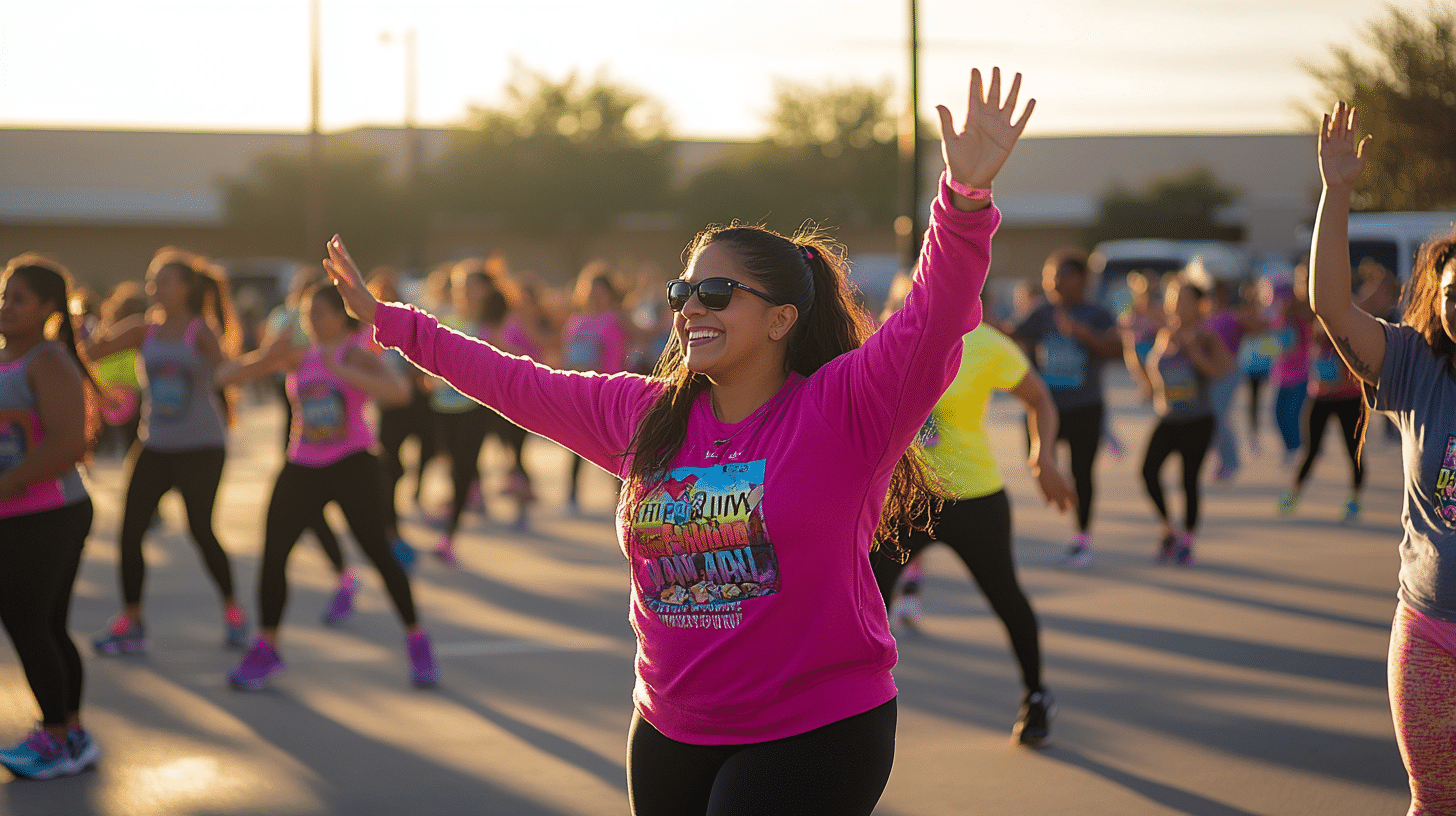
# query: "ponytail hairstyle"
{"type": "Point", "coordinates": [810, 271]}
{"type": "Point", "coordinates": [52, 283]}
{"type": "Point", "coordinates": [208, 297]}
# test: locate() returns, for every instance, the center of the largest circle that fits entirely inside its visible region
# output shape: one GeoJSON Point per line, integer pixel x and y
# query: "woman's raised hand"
{"type": "Point", "coordinates": [345, 274]}
{"type": "Point", "coordinates": [975, 154]}
{"type": "Point", "coordinates": [1341, 157]}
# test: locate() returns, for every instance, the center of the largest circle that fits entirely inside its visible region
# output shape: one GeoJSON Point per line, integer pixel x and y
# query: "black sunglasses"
{"type": "Point", "coordinates": [713, 293]}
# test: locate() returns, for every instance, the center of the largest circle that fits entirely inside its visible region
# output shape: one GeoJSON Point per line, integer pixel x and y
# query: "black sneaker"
{"type": "Point", "coordinates": [1034, 724]}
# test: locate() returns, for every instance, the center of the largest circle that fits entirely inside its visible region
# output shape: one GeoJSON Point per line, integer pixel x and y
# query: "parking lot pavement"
{"type": "Point", "coordinates": [1249, 683]}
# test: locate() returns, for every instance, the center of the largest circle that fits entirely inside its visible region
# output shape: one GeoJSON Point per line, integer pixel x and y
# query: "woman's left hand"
{"type": "Point", "coordinates": [974, 155]}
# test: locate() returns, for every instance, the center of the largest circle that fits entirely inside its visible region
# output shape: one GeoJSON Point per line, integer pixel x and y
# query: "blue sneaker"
{"type": "Point", "coordinates": [403, 553]}
{"type": "Point", "coordinates": [39, 756]}
{"type": "Point", "coordinates": [82, 748]}
{"type": "Point", "coordinates": [261, 663]}
{"type": "Point", "coordinates": [125, 636]}
{"type": "Point", "coordinates": [423, 670]}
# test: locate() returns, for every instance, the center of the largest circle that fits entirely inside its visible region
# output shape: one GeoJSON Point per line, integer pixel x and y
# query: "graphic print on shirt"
{"type": "Point", "coordinates": [170, 389]}
{"type": "Point", "coordinates": [929, 435]}
{"type": "Point", "coordinates": [20, 432]}
{"type": "Point", "coordinates": [1446, 484]}
{"type": "Point", "coordinates": [1063, 362]}
{"type": "Point", "coordinates": [325, 418]}
{"type": "Point", "coordinates": [700, 549]}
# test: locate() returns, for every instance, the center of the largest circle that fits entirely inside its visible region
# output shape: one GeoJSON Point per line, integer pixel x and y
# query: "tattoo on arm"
{"type": "Point", "coordinates": [1362, 369]}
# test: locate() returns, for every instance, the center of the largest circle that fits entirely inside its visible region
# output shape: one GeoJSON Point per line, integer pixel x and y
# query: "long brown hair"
{"type": "Point", "coordinates": [809, 270]}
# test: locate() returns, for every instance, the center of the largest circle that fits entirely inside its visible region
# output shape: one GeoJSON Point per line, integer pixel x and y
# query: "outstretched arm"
{"type": "Point", "coordinates": [1356, 335]}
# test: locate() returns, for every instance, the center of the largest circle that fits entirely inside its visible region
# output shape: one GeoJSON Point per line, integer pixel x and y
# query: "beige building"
{"type": "Point", "coordinates": [103, 200]}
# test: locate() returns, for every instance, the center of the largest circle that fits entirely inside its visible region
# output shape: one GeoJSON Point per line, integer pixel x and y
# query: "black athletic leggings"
{"type": "Point", "coordinates": [301, 493]}
{"type": "Point", "coordinates": [1082, 428]}
{"type": "Point", "coordinates": [195, 474]}
{"type": "Point", "coordinates": [39, 556]}
{"type": "Point", "coordinates": [1348, 410]}
{"type": "Point", "coordinates": [979, 531]}
{"type": "Point", "coordinates": [1190, 439]}
{"type": "Point", "coordinates": [395, 426]}
{"type": "Point", "coordinates": [320, 525]}
{"type": "Point", "coordinates": [840, 769]}
{"type": "Point", "coordinates": [1256, 384]}
{"type": "Point", "coordinates": [463, 435]}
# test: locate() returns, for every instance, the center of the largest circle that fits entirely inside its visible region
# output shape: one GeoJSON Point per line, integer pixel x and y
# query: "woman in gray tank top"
{"type": "Point", "coordinates": [1186, 357]}
{"type": "Point", "coordinates": [188, 332]}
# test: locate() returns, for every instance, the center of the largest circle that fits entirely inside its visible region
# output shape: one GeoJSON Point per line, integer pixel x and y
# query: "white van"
{"type": "Point", "coordinates": [1111, 261]}
{"type": "Point", "coordinates": [1393, 239]}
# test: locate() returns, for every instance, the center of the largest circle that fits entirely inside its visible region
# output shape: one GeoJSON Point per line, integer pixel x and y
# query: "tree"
{"type": "Point", "coordinates": [830, 157]}
{"type": "Point", "coordinates": [1184, 207]}
{"type": "Point", "coordinates": [360, 201]}
{"type": "Point", "coordinates": [1405, 91]}
{"type": "Point", "coordinates": [560, 159]}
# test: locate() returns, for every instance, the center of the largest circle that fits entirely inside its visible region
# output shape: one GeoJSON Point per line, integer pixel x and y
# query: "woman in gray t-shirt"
{"type": "Point", "coordinates": [1408, 373]}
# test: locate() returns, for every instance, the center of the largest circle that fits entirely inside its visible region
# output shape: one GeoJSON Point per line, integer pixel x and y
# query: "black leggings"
{"type": "Point", "coordinates": [41, 553]}
{"type": "Point", "coordinates": [1256, 384]}
{"type": "Point", "coordinates": [1190, 440]}
{"type": "Point", "coordinates": [979, 531]}
{"type": "Point", "coordinates": [1348, 410]}
{"type": "Point", "coordinates": [840, 769]}
{"type": "Point", "coordinates": [300, 494]}
{"type": "Point", "coordinates": [463, 435]}
{"type": "Point", "coordinates": [318, 526]}
{"type": "Point", "coordinates": [1082, 428]}
{"type": "Point", "coordinates": [395, 426]}
{"type": "Point", "coordinates": [195, 474]}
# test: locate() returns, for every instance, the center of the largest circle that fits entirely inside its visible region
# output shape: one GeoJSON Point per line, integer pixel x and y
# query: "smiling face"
{"type": "Point", "coordinates": [743, 337]}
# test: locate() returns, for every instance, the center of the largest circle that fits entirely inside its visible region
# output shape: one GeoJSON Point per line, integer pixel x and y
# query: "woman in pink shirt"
{"type": "Point", "coordinates": [762, 462]}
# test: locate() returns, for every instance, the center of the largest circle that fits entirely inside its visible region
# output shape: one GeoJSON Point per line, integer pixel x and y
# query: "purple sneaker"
{"type": "Point", "coordinates": [261, 663]}
{"type": "Point", "coordinates": [341, 608]}
{"type": "Point", "coordinates": [124, 636]}
{"type": "Point", "coordinates": [423, 671]}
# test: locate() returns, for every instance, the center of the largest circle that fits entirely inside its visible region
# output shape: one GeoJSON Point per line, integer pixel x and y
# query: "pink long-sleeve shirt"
{"type": "Point", "coordinates": [756, 612]}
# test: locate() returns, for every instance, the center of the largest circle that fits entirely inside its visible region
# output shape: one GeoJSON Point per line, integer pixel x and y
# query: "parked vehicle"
{"type": "Point", "coordinates": [1393, 239]}
{"type": "Point", "coordinates": [1111, 261]}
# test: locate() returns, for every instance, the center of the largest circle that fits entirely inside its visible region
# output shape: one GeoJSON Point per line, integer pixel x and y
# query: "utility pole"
{"type": "Point", "coordinates": [313, 207]}
{"type": "Point", "coordinates": [908, 227]}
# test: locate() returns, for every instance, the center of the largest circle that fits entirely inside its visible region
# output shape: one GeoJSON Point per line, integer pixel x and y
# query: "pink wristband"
{"type": "Point", "coordinates": [973, 193]}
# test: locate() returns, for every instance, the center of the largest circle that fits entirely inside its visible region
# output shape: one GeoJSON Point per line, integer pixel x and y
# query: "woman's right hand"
{"type": "Point", "coordinates": [1341, 158]}
{"type": "Point", "coordinates": [345, 274]}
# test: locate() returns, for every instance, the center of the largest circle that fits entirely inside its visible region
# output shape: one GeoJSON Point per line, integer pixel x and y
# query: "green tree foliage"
{"type": "Point", "coordinates": [361, 201]}
{"type": "Point", "coordinates": [1404, 87]}
{"type": "Point", "coordinates": [1181, 207]}
{"type": "Point", "coordinates": [560, 159]}
{"type": "Point", "coordinates": [830, 158]}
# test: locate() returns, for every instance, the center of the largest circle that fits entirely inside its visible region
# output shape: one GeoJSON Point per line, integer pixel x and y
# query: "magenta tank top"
{"type": "Point", "coordinates": [328, 413]}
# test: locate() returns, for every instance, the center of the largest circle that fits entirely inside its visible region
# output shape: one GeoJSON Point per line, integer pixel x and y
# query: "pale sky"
{"type": "Point", "coordinates": [1095, 66]}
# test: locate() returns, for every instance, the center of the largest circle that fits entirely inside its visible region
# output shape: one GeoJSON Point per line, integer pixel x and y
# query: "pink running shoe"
{"type": "Point", "coordinates": [423, 671]}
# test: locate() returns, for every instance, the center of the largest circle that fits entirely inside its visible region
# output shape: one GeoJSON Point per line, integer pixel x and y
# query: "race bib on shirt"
{"type": "Point", "coordinates": [584, 352]}
{"type": "Point", "coordinates": [1446, 484]}
{"type": "Point", "coordinates": [700, 549]}
{"type": "Point", "coordinates": [1180, 384]}
{"type": "Point", "coordinates": [1063, 362]}
{"type": "Point", "coordinates": [15, 438]}
{"type": "Point", "coordinates": [170, 389]}
{"type": "Point", "coordinates": [324, 415]}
